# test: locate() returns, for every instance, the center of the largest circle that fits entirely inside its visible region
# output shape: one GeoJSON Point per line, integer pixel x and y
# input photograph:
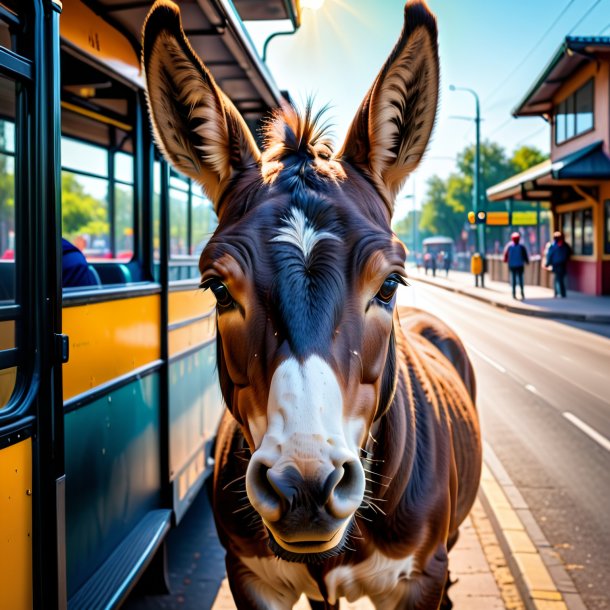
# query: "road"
{"type": "Point", "coordinates": [545, 410]}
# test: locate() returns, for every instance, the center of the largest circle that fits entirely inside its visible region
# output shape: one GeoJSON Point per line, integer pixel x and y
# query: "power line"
{"type": "Point", "coordinates": [604, 29]}
{"type": "Point", "coordinates": [584, 16]}
{"type": "Point", "coordinates": [531, 135]}
{"type": "Point", "coordinates": [527, 56]}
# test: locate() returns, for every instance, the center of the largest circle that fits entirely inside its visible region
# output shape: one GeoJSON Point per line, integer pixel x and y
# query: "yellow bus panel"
{"type": "Point", "coordinates": [110, 339]}
{"type": "Point", "coordinates": [16, 526]}
{"type": "Point", "coordinates": [187, 304]}
{"type": "Point", "coordinates": [191, 335]}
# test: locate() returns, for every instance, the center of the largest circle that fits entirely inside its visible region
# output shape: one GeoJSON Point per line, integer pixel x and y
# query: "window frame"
{"type": "Point", "coordinates": [569, 116]}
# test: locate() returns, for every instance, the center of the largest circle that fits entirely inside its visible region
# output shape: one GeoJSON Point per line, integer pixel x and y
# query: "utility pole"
{"type": "Point", "coordinates": [476, 196]}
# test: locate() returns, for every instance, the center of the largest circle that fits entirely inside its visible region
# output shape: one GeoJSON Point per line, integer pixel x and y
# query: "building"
{"type": "Point", "coordinates": [573, 95]}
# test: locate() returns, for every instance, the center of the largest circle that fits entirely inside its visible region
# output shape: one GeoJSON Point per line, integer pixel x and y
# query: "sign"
{"type": "Point", "coordinates": [524, 218]}
{"type": "Point", "coordinates": [498, 219]}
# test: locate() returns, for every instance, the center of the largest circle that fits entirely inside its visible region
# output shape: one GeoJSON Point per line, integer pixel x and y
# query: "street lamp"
{"type": "Point", "coordinates": [477, 174]}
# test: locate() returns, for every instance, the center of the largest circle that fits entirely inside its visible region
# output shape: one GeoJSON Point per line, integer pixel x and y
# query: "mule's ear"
{"type": "Point", "coordinates": [391, 129]}
{"type": "Point", "coordinates": [195, 124]}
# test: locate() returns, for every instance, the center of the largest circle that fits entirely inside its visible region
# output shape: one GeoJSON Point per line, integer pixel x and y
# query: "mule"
{"type": "Point", "coordinates": [350, 450]}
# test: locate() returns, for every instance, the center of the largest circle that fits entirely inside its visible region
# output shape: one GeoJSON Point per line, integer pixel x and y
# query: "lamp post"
{"type": "Point", "coordinates": [477, 175]}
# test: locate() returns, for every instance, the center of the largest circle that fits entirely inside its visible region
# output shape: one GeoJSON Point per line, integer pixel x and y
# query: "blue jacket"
{"type": "Point", "coordinates": [516, 256]}
{"type": "Point", "coordinates": [558, 254]}
{"type": "Point", "coordinates": [75, 270]}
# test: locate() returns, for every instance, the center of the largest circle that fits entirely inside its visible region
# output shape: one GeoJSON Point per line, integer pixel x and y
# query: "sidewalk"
{"type": "Point", "coordinates": [538, 301]}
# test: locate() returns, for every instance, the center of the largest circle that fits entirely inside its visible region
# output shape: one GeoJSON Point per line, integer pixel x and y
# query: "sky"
{"type": "Point", "coordinates": [496, 47]}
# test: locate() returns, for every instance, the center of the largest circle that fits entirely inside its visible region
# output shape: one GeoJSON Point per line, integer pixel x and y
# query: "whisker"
{"type": "Point", "coordinates": [361, 516]}
{"type": "Point", "coordinates": [377, 474]}
{"type": "Point", "coordinates": [372, 504]}
{"type": "Point", "coordinates": [377, 482]}
{"type": "Point", "coordinates": [243, 508]}
{"type": "Point", "coordinates": [233, 481]}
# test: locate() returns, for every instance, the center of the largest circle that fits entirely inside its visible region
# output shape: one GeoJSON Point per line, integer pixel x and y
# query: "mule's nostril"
{"type": "Point", "coordinates": [346, 489]}
{"type": "Point", "coordinates": [261, 491]}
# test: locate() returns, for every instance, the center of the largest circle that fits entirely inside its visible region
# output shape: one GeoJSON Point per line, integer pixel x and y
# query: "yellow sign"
{"type": "Point", "coordinates": [524, 218]}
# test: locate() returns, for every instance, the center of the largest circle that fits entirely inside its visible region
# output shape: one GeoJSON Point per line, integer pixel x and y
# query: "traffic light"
{"type": "Point", "coordinates": [481, 218]}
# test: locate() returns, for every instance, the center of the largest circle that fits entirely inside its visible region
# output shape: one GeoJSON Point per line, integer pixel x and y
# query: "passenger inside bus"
{"type": "Point", "coordinates": [75, 269]}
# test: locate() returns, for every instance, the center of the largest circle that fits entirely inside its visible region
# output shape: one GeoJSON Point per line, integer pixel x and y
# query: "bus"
{"type": "Point", "coordinates": [108, 393]}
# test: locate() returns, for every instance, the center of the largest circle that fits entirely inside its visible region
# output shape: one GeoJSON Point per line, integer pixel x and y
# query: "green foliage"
{"type": "Point", "coordinates": [448, 199]}
{"type": "Point", "coordinates": [82, 214]}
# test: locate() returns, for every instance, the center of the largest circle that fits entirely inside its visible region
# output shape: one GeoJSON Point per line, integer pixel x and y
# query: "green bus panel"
{"type": "Point", "coordinates": [195, 406]}
{"type": "Point", "coordinates": [112, 450]}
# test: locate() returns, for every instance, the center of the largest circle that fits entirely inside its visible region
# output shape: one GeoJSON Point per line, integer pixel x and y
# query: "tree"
{"type": "Point", "coordinates": [448, 200]}
{"type": "Point", "coordinates": [82, 214]}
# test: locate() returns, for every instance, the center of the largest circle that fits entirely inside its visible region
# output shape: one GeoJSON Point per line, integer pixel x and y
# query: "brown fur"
{"type": "Point", "coordinates": [300, 261]}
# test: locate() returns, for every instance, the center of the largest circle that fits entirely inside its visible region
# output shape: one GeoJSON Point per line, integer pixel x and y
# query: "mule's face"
{"type": "Point", "coordinates": [305, 282]}
{"type": "Point", "coordinates": [304, 268]}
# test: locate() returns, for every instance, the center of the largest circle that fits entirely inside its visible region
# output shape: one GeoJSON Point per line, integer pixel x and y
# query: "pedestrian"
{"type": "Point", "coordinates": [515, 254]}
{"type": "Point", "coordinates": [557, 258]}
{"type": "Point", "coordinates": [447, 261]}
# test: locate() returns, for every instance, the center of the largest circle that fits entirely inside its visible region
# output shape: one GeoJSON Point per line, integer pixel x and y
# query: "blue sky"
{"type": "Point", "coordinates": [491, 46]}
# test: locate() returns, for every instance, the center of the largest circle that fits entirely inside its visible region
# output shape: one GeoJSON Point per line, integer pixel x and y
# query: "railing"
{"type": "Point", "coordinates": [535, 274]}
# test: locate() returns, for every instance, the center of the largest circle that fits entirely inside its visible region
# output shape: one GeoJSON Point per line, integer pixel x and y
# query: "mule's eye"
{"type": "Point", "coordinates": [221, 292]}
{"type": "Point", "coordinates": [388, 288]}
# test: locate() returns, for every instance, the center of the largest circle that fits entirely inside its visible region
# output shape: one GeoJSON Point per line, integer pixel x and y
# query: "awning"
{"type": "Point", "coordinates": [554, 180]}
{"type": "Point", "coordinates": [573, 53]}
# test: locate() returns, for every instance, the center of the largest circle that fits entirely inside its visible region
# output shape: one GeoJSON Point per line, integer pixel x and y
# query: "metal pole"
{"type": "Point", "coordinates": [476, 200]}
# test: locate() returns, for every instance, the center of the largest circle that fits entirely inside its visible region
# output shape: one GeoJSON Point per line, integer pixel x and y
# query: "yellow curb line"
{"type": "Point", "coordinates": [531, 574]}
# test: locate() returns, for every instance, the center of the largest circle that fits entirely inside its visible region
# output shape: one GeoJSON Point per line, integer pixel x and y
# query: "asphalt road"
{"type": "Point", "coordinates": [544, 403]}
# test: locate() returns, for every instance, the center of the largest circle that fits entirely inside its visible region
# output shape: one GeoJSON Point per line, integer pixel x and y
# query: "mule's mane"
{"type": "Point", "coordinates": [299, 139]}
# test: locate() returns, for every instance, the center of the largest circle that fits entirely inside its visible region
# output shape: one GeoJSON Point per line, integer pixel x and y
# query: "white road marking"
{"type": "Point", "coordinates": [486, 358]}
{"type": "Point", "coordinates": [530, 388]}
{"type": "Point", "coordinates": [594, 434]}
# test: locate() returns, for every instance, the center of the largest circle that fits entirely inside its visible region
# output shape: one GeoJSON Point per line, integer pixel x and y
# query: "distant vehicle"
{"type": "Point", "coordinates": [435, 245]}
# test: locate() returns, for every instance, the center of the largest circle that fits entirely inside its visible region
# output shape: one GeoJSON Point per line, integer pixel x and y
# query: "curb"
{"type": "Point", "coordinates": [538, 572]}
{"type": "Point", "coordinates": [539, 313]}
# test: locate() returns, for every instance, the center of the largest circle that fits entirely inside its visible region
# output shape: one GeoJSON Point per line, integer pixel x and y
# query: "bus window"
{"type": "Point", "coordinates": [7, 232]}
{"type": "Point", "coordinates": [204, 220]}
{"type": "Point", "coordinates": [98, 199]}
{"type": "Point", "coordinates": [7, 191]}
{"type": "Point", "coordinates": [178, 215]}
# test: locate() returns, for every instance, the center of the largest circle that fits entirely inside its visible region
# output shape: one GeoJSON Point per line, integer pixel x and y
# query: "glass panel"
{"type": "Point", "coordinates": [83, 157]}
{"type": "Point", "coordinates": [566, 227]}
{"type": "Point", "coordinates": [178, 204]}
{"type": "Point", "coordinates": [123, 167]}
{"type": "Point", "coordinates": [157, 212]}
{"type": "Point", "coordinates": [587, 241]}
{"type": "Point", "coordinates": [570, 117]}
{"type": "Point", "coordinates": [85, 217]}
{"type": "Point", "coordinates": [178, 182]}
{"type": "Point", "coordinates": [204, 223]}
{"type": "Point", "coordinates": [123, 210]}
{"type": "Point", "coordinates": [560, 123]}
{"type": "Point", "coordinates": [584, 108]}
{"type": "Point", "coordinates": [577, 244]}
{"type": "Point", "coordinates": [607, 231]}
{"type": "Point", "coordinates": [7, 192]}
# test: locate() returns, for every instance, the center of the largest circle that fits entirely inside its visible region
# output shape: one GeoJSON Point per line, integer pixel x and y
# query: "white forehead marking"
{"type": "Point", "coordinates": [299, 232]}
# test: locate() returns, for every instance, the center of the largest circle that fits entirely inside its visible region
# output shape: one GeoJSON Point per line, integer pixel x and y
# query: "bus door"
{"type": "Point", "coordinates": [31, 348]}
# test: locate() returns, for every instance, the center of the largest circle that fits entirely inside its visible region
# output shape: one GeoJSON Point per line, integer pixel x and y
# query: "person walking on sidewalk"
{"type": "Point", "coordinates": [557, 258]}
{"type": "Point", "coordinates": [515, 254]}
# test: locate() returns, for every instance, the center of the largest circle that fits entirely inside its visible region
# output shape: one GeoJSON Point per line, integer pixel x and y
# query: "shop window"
{"type": "Point", "coordinates": [607, 226]}
{"type": "Point", "coordinates": [577, 228]}
{"type": "Point", "coordinates": [574, 115]}
{"type": "Point", "coordinates": [587, 231]}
